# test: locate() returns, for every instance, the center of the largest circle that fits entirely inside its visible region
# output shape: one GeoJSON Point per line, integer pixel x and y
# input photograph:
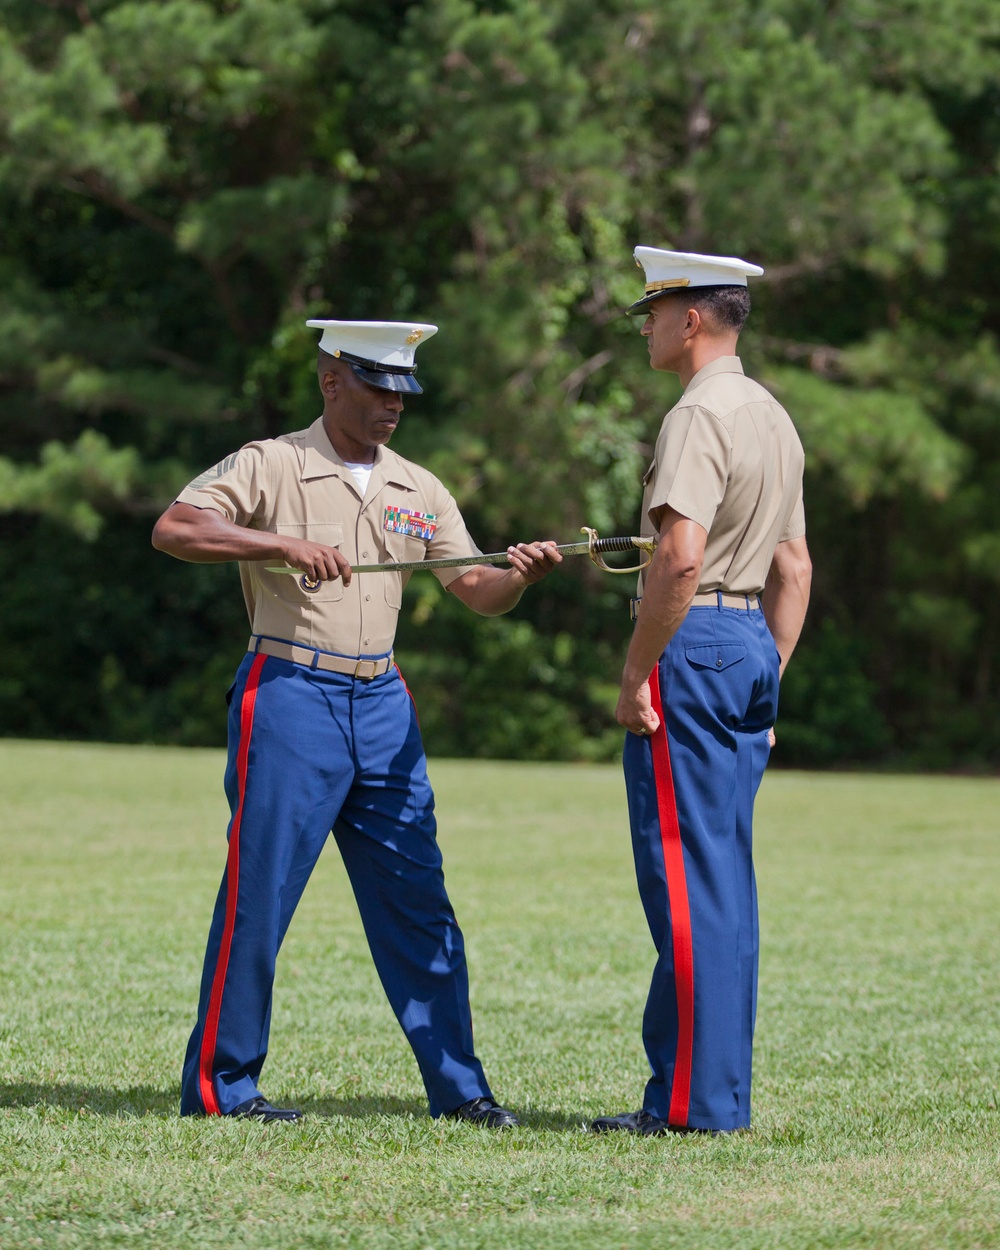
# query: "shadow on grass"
{"type": "Point", "coordinates": [137, 1101]}
{"type": "Point", "coordinates": [552, 1121]}
{"type": "Point", "coordinates": [417, 1109]}
{"type": "Point", "coordinates": [143, 1100]}
{"type": "Point", "coordinates": [363, 1108]}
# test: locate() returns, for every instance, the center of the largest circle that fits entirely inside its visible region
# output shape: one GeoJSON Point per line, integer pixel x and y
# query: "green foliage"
{"type": "Point", "coordinates": [184, 183]}
{"type": "Point", "coordinates": [828, 709]}
{"type": "Point", "coordinates": [873, 441]}
{"type": "Point", "coordinates": [72, 483]}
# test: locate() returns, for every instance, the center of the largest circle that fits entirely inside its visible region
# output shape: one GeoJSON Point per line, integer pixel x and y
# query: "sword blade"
{"type": "Point", "coordinates": [459, 562]}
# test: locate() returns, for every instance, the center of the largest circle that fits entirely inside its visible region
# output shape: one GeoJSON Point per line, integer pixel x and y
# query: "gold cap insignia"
{"type": "Point", "coordinates": [414, 336]}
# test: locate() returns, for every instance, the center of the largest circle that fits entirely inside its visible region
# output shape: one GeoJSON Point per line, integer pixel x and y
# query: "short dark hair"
{"type": "Point", "coordinates": [326, 363]}
{"type": "Point", "coordinates": [727, 306]}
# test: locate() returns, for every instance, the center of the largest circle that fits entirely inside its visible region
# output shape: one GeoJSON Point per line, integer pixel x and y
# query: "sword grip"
{"type": "Point", "coordinates": [613, 544]}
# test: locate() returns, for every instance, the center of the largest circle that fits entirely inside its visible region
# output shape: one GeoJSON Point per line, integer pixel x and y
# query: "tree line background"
{"type": "Point", "coordinates": [183, 183]}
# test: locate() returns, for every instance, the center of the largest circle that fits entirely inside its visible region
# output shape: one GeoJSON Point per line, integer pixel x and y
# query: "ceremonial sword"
{"type": "Point", "coordinates": [594, 547]}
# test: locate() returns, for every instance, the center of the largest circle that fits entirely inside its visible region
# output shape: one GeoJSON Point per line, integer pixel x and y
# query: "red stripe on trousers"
{"type": "Point", "coordinates": [211, 1031]}
{"type": "Point", "coordinates": [680, 911]}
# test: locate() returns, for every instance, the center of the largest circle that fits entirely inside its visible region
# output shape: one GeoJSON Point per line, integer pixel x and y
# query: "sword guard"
{"type": "Point", "coordinates": [597, 545]}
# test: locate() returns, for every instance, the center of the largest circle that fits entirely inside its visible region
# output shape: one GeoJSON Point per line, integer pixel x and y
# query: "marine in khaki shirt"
{"type": "Point", "coordinates": [720, 610]}
{"type": "Point", "coordinates": [298, 486]}
{"type": "Point", "coordinates": [728, 457]}
{"type": "Point", "coordinates": [323, 733]}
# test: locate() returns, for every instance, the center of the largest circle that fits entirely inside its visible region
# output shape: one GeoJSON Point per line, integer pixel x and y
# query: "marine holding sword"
{"type": "Point", "coordinates": [323, 734]}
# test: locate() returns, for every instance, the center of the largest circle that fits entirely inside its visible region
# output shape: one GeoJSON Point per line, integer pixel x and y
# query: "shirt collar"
{"type": "Point", "coordinates": [320, 459]}
{"type": "Point", "coordinates": [723, 364]}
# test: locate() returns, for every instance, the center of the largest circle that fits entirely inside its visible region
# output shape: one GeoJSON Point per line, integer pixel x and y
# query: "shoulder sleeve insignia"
{"type": "Point", "coordinates": [215, 472]}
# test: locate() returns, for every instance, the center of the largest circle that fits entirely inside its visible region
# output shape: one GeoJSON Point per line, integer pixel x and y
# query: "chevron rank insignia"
{"type": "Point", "coordinates": [407, 521]}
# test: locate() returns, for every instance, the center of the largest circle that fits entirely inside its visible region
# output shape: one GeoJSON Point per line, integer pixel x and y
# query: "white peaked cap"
{"type": "Point", "coordinates": [380, 352]}
{"type": "Point", "coordinates": [381, 342]}
{"type": "Point", "coordinates": [671, 271]}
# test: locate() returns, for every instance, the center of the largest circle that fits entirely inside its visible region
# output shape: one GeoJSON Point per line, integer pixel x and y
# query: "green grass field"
{"type": "Point", "coordinates": [876, 1120]}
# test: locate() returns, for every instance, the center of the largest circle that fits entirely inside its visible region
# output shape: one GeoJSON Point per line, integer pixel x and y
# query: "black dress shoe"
{"type": "Point", "coordinates": [260, 1109]}
{"type": "Point", "coordinates": [485, 1112]}
{"type": "Point", "coordinates": [642, 1123]}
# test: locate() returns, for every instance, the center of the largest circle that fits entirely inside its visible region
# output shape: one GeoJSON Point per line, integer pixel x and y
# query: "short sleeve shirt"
{"type": "Point", "coordinates": [298, 485]}
{"type": "Point", "coordinates": [729, 458]}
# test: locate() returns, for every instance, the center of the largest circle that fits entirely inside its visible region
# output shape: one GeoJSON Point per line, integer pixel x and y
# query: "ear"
{"type": "Point", "coordinates": [693, 322]}
{"type": "Point", "coordinates": [329, 384]}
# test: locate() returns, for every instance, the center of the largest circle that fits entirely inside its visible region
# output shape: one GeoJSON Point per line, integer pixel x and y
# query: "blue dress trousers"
{"type": "Point", "coordinates": [691, 787]}
{"type": "Point", "coordinates": [310, 752]}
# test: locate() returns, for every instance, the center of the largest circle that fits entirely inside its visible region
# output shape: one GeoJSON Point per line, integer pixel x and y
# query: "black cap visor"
{"type": "Point", "coordinates": [384, 377]}
{"type": "Point", "coordinates": [402, 383]}
{"type": "Point", "coordinates": [641, 305]}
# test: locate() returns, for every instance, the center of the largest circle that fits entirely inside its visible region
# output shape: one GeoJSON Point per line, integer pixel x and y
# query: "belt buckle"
{"type": "Point", "coordinates": [361, 669]}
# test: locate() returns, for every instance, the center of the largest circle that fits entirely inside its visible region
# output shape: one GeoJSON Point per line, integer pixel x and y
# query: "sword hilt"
{"type": "Point", "coordinates": [599, 545]}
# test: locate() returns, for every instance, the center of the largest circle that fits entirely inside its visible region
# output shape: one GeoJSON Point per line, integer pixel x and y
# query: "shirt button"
{"type": "Point", "coordinates": [368, 642]}
{"type": "Point", "coordinates": [718, 662]}
{"type": "Point", "coordinates": [364, 555]}
{"type": "Point", "coordinates": [367, 598]}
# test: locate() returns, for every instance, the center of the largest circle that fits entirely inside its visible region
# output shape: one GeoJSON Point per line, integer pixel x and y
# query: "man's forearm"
{"type": "Point", "coordinates": [670, 584]}
{"type": "Point", "coordinates": [489, 591]}
{"type": "Point", "coordinates": [664, 606]}
{"type": "Point", "coordinates": [785, 612]}
{"type": "Point", "coordinates": [204, 536]}
{"type": "Point", "coordinates": [786, 596]}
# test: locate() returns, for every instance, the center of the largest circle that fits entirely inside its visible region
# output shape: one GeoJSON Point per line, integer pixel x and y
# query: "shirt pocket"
{"type": "Point", "coordinates": [400, 549]}
{"type": "Point", "coordinates": [715, 656]}
{"type": "Point", "coordinates": [289, 588]}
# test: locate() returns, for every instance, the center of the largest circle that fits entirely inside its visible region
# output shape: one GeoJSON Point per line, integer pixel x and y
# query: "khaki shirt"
{"type": "Point", "coordinates": [728, 457]}
{"type": "Point", "coordinates": [297, 485]}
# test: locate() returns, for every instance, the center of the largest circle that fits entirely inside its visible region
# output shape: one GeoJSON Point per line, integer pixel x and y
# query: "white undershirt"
{"type": "Point", "coordinates": [361, 474]}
